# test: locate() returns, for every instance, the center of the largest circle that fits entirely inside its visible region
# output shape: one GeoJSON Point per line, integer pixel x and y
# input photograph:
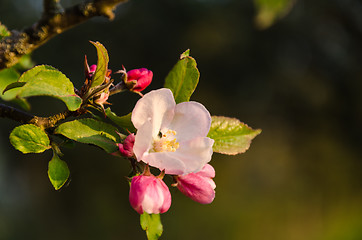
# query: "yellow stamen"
{"type": "Point", "coordinates": [166, 142]}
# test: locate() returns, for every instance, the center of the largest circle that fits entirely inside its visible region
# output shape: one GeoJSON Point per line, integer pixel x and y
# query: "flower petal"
{"type": "Point", "coordinates": [195, 154]}
{"type": "Point", "coordinates": [143, 140]}
{"type": "Point", "coordinates": [196, 187]}
{"type": "Point", "coordinates": [191, 120]}
{"type": "Point", "coordinates": [207, 171]}
{"type": "Point", "coordinates": [156, 106]}
{"type": "Point", "coordinates": [167, 161]}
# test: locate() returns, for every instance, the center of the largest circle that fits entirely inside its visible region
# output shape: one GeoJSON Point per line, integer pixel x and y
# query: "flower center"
{"type": "Point", "coordinates": [166, 142]}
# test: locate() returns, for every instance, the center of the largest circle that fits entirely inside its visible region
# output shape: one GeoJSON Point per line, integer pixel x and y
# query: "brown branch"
{"type": "Point", "coordinates": [42, 122]}
{"type": "Point", "coordinates": [53, 22]}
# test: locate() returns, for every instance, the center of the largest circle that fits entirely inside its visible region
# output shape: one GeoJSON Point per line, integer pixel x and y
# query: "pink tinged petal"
{"type": "Point", "coordinates": [195, 154]}
{"type": "Point", "coordinates": [149, 194]}
{"type": "Point", "coordinates": [191, 120]}
{"type": "Point", "coordinates": [156, 106]}
{"type": "Point", "coordinates": [196, 187]}
{"type": "Point", "coordinates": [207, 171]}
{"type": "Point", "coordinates": [143, 141]}
{"type": "Point", "coordinates": [167, 161]}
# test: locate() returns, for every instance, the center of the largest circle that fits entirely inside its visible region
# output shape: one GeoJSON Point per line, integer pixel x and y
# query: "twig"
{"type": "Point", "coordinates": [43, 122]}
{"type": "Point", "coordinates": [53, 22]}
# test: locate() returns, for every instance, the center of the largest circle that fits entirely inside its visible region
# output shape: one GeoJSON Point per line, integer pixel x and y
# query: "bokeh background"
{"type": "Point", "coordinates": [299, 80]}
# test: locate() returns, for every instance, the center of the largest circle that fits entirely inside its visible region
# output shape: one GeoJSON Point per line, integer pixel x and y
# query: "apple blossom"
{"type": "Point", "coordinates": [138, 79]}
{"type": "Point", "coordinates": [149, 194]}
{"type": "Point", "coordinates": [126, 148]}
{"type": "Point", "coordinates": [198, 186]}
{"type": "Point", "coordinates": [171, 137]}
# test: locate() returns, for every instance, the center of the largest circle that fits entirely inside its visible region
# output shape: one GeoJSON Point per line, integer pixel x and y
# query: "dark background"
{"type": "Point", "coordinates": [299, 81]}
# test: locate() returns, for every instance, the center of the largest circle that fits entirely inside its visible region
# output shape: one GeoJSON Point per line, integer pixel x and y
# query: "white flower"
{"type": "Point", "coordinates": [171, 137]}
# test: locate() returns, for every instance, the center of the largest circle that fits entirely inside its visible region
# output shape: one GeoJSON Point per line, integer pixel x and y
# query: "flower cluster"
{"type": "Point", "coordinates": [173, 138]}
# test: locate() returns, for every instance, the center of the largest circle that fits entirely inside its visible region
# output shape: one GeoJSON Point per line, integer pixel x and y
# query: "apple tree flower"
{"type": "Point", "coordinates": [170, 136]}
{"type": "Point", "coordinates": [149, 194]}
{"type": "Point", "coordinates": [198, 186]}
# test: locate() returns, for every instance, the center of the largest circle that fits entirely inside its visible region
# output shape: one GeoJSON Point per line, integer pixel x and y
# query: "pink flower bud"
{"type": "Point", "coordinates": [198, 186]}
{"type": "Point", "coordinates": [138, 79]}
{"type": "Point", "coordinates": [90, 71]}
{"type": "Point", "coordinates": [102, 99]}
{"type": "Point", "coordinates": [126, 148]}
{"type": "Point", "coordinates": [92, 68]}
{"type": "Point", "coordinates": [149, 194]}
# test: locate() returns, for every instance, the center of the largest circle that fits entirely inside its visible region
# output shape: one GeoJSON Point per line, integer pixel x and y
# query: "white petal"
{"type": "Point", "coordinates": [143, 140]}
{"type": "Point", "coordinates": [191, 120]}
{"type": "Point", "coordinates": [167, 161]}
{"type": "Point", "coordinates": [156, 106]}
{"type": "Point", "coordinates": [195, 153]}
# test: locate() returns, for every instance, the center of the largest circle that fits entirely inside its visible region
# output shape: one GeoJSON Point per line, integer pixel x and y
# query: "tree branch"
{"type": "Point", "coordinates": [53, 22]}
{"type": "Point", "coordinates": [42, 122]}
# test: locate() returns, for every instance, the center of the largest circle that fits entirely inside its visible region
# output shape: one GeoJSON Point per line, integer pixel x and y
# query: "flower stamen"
{"type": "Point", "coordinates": [166, 142]}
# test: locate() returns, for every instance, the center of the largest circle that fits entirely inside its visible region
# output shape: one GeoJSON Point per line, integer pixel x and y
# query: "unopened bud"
{"type": "Point", "coordinates": [138, 79]}
{"type": "Point", "coordinates": [149, 194]}
{"type": "Point", "coordinates": [126, 148]}
{"type": "Point", "coordinates": [198, 186]}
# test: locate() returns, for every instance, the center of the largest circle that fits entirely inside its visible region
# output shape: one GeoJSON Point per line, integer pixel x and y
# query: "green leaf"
{"type": "Point", "coordinates": [183, 78]}
{"type": "Point", "coordinates": [58, 172]}
{"type": "Point", "coordinates": [269, 11]}
{"type": "Point", "coordinates": [46, 80]}
{"type": "Point", "coordinates": [13, 85]}
{"type": "Point", "coordinates": [10, 76]}
{"type": "Point", "coordinates": [4, 32]}
{"type": "Point", "coordinates": [7, 77]}
{"type": "Point", "coordinates": [151, 223]}
{"type": "Point", "coordinates": [102, 65]}
{"type": "Point", "coordinates": [231, 136]}
{"type": "Point", "coordinates": [91, 131]}
{"type": "Point", "coordinates": [123, 122]}
{"type": "Point", "coordinates": [29, 138]}
{"type": "Point", "coordinates": [31, 73]}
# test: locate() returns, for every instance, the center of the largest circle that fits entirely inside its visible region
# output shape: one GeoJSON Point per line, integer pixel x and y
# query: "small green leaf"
{"type": "Point", "coordinates": [13, 85]}
{"type": "Point", "coordinates": [4, 32]}
{"type": "Point", "coordinates": [123, 122]}
{"type": "Point", "coordinates": [269, 11]}
{"type": "Point", "coordinates": [185, 54]}
{"type": "Point", "coordinates": [231, 136]}
{"type": "Point", "coordinates": [183, 78]}
{"type": "Point", "coordinates": [151, 223]}
{"type": "Point", "coordinates": [29, 138]}
{"type": "Point", "coordinates": [91, 131]}
{"type": "Point", "coordinates": [58, 172]}
{"type": "Point", "coordinates": [47, 81]}
{"type": "Point", "coordinates": [8, 76]}
{"type": "Point", "coordinates": [102, 65]}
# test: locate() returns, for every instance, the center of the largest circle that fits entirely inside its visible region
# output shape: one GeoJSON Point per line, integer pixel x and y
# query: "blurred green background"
{"type": "Point", "coordinates": [298, 79]}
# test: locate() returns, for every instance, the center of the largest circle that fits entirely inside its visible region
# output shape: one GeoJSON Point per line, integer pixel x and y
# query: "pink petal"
{"type": "Point", "coordinates": [143, 140]}
{"type": "Point", "coordinates": [191, 120]}
{"type": "Point", "coordinates": [156, 106]}
{"type": "Point", "coordinates": [195, 154]}
{"type": "Point", "coordinates": [197, 188]}
{"type": "Point", "coordinates": [167, 161]}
